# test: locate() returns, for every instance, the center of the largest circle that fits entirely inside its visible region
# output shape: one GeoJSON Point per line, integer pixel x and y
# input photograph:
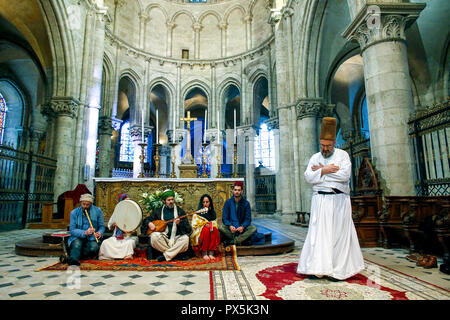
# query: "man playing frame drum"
{"type": "Point", "coordinates": [125, 219]}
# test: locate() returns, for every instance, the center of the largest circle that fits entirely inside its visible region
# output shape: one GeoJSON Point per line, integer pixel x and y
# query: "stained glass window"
{"type": "Point", "coordinates": [264, 148]}
{"type": "Point", "coordinates": [3, 109]}
{"type": "Point", "coordinates": [198, 1]}
{"type": "Point", "coordinates": [126, 143]}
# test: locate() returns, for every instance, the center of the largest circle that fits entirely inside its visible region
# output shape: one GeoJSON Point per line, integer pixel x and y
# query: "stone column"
{"type": "Point", "coordinates": [388, 90]}
{"type": "Point", "coordinates": [164, 161]}
{"type": "Point", "coordinates": [104, 141]}
{"type": "Point", "coordinates": [197, 27]}
{"type": "Point", "coordinates": [287, 187]}
{"type": "Point", "coordinates": [143, 19]}
{"type": "Point", "coordinates": [223, 38]}
{"type": "Point", "coordinates": [170, 26]}
{"type": "Point", "coordinates": [273, 124]}
{"type": "Point", "coordinates": [307, 110]}
{"type": "Point", "coordinates": [66, 109]}
{"type": "Point", "coordinates": [94, 96]}
{"type": "Point", "coordinates": [249, 132]}
{"type": "Point", "coordinates": [248, 33]}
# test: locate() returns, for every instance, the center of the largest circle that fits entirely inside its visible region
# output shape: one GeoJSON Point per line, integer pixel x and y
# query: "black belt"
{"type": "Point", "coordinates": [335, 191]}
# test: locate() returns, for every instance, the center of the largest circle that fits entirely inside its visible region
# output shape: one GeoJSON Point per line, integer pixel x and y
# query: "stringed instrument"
{"type": "Point", "coordinates": [161, 225]}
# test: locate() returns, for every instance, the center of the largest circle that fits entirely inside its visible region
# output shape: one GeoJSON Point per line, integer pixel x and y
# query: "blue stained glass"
{"type": "Point", "coordinates": [264, 148]}
{"type": "Point", "coordinates": [3, 109]}
{"type": "Point", "coordinates": [198, 1]}
{"type": "Point", "coordinates": [127, 144]}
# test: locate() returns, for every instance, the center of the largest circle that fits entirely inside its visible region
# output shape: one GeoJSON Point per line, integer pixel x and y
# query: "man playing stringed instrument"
{"type": "Point", "coordinates": [175, 238]}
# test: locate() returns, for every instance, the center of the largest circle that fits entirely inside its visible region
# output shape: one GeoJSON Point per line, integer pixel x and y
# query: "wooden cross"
{"type": "Point", "coordinates": [188, 154]}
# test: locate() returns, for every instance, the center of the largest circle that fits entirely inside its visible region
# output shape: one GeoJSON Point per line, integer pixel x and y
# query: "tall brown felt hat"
{"type": "Point", "coordinates": [328, 130]}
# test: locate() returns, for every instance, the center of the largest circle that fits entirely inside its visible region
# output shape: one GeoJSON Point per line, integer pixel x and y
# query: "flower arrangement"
{"type": "Point", "coordinates": [153, 201]}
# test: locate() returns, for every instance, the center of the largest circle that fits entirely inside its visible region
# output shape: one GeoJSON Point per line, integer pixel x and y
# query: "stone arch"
{"type": "Point", "coordinates": [209, 13]}
{"type": "Point", "coordinates": [107, 86]}
{"type": "Point", "coordinates": [169, 92]}
{"type": "Point", "coordinates": [231, 9]}
{"type": "Point", "coordinates": [155, 6]}
{"type": "Point", "coordinates": [181, 12]}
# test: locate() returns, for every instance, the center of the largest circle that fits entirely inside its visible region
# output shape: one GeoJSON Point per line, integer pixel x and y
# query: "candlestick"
{"type": "Point", "coordinates": [219, 167]}
{"type": "Point", "coordinates": [204, 174]}
{"type": "Point", "coordinates": [218, 126]}
{"type": "Point", "coordinates": [142, 158]}
{"type": "Point", "coordinates": [206, 120]}
{"type": "Point", "coordinates": [157, 127]}
{"type": "Point", "coordinates": [156, 158]}
{"type": "Point", "coordinates": [172, 174]}
{"type": "Point", "coordinates": [234, 126]}
{"type": "Point", "coordinates": [235, 161]}
{"type": "Point", "coordinates": [142, 125]}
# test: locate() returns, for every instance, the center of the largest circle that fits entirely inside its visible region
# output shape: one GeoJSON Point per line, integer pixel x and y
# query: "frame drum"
{"type": "Point", "coordinates": [128, 215]}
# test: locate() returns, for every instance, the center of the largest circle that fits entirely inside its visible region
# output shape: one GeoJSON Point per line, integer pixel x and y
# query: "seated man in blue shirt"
{"type": "Point", "coordinates": [236, 218]}
{"type": "Point", "coordinates": [83, 237]}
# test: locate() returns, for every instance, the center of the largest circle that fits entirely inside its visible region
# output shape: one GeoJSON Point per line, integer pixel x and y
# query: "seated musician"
{"type": "Point", "coordinates": [237, 218]}
{"type": "Point", "coordinates": [84, 230]}
{"type": "Point", "coordinates": [175, 238]}
{"type": "Point", "coordinates": [205, 236]}
{"type": "Point", "coordinates": [120, 245]}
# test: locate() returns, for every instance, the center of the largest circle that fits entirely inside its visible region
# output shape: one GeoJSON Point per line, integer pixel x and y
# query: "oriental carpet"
{"type": "Point", "coordinates": [225, 260]}
{"type": "Point", "coordinates": [276, 279]}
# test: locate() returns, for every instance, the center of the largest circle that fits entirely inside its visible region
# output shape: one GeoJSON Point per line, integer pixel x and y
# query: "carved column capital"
{"type": "Point", "coordinates": [308, 108]}
{"type": "Point", "coordinates": [105, 126]}
{"type": "Point", "coordinates": [272, 123]}
{"type": "Point", "coordinates": [382, 22]}
{"type": "Point", "coordinates": [65, 106]}
{"type": "Point", "coordinates": [116, 123]}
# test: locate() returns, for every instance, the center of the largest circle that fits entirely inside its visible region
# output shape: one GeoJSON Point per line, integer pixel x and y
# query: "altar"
{"type": "Point", "coordinates": [107, 191]}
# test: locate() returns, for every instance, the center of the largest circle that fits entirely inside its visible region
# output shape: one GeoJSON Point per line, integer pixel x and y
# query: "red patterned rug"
{"type": "Point", "coordinates": [225, 260]}
{"type": "Point", "coordinates": [275, 278]}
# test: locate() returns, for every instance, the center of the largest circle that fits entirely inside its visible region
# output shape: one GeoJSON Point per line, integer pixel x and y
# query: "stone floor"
{"type": "Point", "coordinates": [19, 278]}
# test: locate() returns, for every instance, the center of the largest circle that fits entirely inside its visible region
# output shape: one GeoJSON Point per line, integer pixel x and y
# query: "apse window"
{"type": "Point", "coordinates": [265, 148]}
{"type": "Point", "coordinates": [3, 109]}
{"type": "Point", "coordinates": [198, 1]}
{"type": "Point", "coordinates": [185, 54]}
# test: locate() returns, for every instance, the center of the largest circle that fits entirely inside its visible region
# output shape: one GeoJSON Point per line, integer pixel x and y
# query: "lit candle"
{"type": "Point", "coordinates": [157, 127]}
{"type": "Point", "coordinates": [206, 120]}
{"type": "Point", "coordinates": [218, 125]}
{"type": "Point", "coordinates": [235, 126]}
{"type": "Point", "coordinates": [142, 125]}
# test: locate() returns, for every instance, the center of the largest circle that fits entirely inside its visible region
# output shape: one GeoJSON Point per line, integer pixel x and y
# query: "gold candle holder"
{"type": "Point", "coordinates": [156, 158]}
{"type": "Point", "coordinates": [219, 167]}
{"type": "Point", "coordinates": [172, 174]}
{"type": "Point", "coordinates": [204, 174]}
{"type": "Point", "coordinates": [235, 161]}
{"type": "Point", "coordinates": [142, 158]}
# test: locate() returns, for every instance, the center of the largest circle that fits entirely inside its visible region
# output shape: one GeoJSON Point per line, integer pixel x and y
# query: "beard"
{"type": "Point", "coordinates": [170, 206]}
{"type": "Point", "coordinates": [327, 154]}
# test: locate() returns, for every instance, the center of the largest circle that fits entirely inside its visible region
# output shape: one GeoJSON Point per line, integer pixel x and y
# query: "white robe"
{"type": "Point", "coordinates": [331, 247]}
{"type": "Point", "coordinates": [113, 248]}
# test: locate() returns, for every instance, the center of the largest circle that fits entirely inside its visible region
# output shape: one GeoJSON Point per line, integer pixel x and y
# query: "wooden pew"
{"type": "Point", "coordinates": [48, 222]}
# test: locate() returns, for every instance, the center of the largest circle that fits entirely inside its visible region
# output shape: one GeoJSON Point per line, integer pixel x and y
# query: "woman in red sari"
{"type": "Point", "coordinates": [205, 236]}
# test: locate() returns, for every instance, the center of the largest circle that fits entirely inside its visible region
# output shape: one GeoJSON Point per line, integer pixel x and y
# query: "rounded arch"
{"type": "Point", "coordinates": [209, 13]}
{"type": "Point", "coordinates": [17, 113]}
{"type": "Point", "coordinates": [231, 9]}
{"type": "Point", "coordinates": [156, 6]}
{"type": "Point", "coordinates": [259, 104]}
{"type": "Point", "coordinates": [181, 12]}
{"type": "Point", "coordinates": [345, 54]}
